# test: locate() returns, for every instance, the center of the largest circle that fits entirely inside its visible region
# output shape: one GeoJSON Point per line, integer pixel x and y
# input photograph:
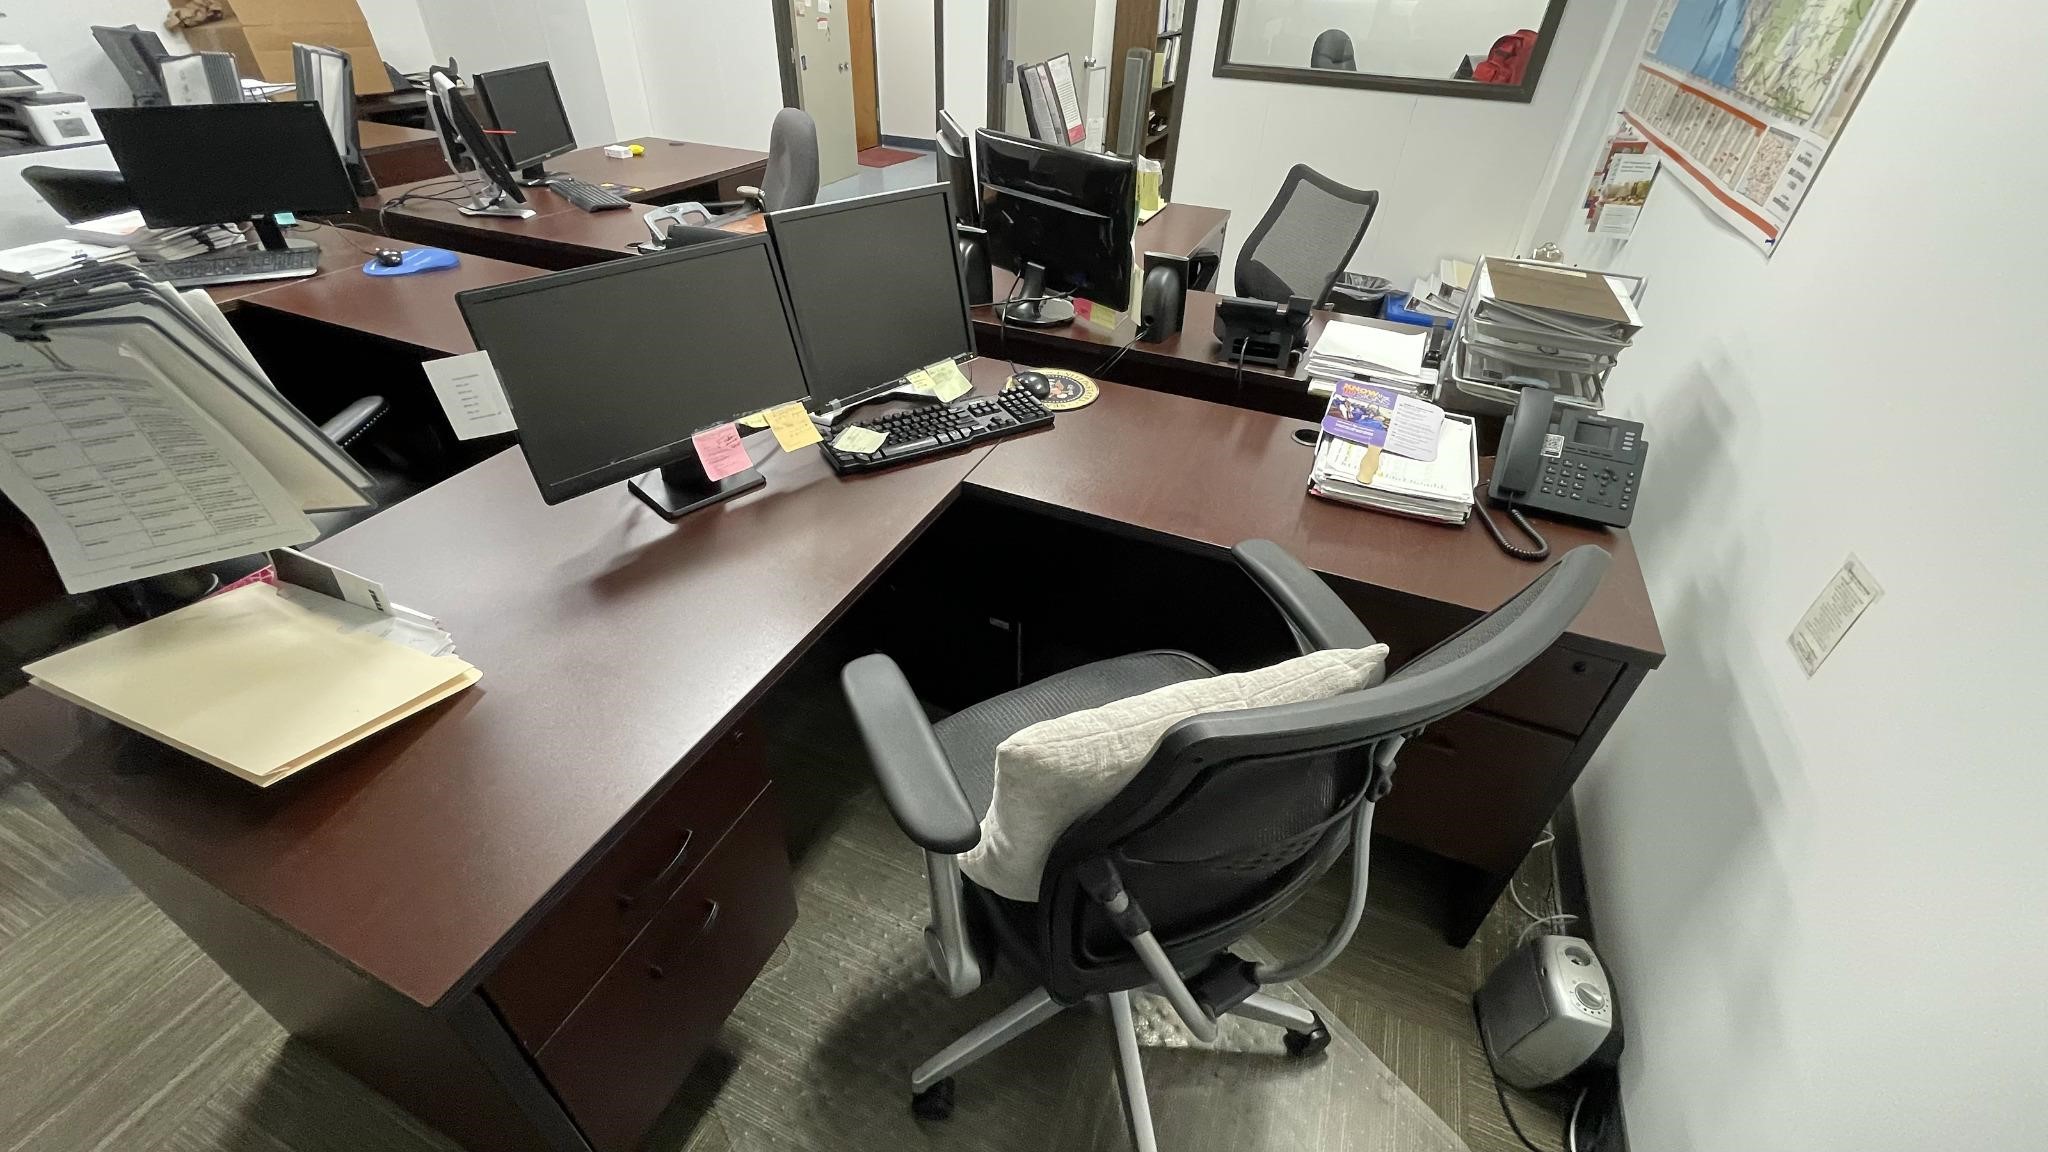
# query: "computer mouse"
{"type": "Point", "coordinates": [392, 262]}
{"type": "Point", "coordinates": [1035, 383]}
{"type": "Point", "coordinates": [389, 257]}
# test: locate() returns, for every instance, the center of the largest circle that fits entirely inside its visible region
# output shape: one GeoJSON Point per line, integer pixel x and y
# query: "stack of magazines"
{"type": "Point", "coordinates": [1442, 295]}
{"type": "Point", "coordinates": [1370, 477]}
{"type": "Point", "coordinates": [1361, 353]}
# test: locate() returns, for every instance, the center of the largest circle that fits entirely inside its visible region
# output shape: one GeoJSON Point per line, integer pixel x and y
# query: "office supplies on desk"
{"type": "Point", "coordinates": [129, 230]}
{"type": "Point", "coordinates": [918, 433]}
{"type": "Point", "coordinates": [1062, 219]}
{"type": "Point", "coordinates": [1563, 327]}
{"type": "Point", "coordinates": [1371, 477]}
{"type": "Point", "coordinates": [261, 159]}
{"type": "Point", "coordinates": [1065, 390]}
{"type": "Point", "coordinates": [611, 370]}
{"type": "Point", "coordinates": [1365, 353]}
{"type": "Point", "coordinates": [34, 263]}
{"type": "Point", "coordinates": [239, 266]}
{"type": "Point", "coordinates": [260, 682]}
{"type": "Point", "coordinates": [391, 262]}
{"type": "Point", "coordinates": [1562, 460]}
{"type": "Point", "coordinates": [223, 465]}
{"type": "Point", "coordinates": [587, 196]}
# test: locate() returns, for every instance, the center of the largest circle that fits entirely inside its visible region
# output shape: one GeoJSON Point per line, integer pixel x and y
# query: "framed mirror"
{"type": "Point", "coordinates": [1481, 49]}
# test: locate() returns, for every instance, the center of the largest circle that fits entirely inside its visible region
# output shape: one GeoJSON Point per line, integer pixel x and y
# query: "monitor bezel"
{"type": "Point", "coordinates": [481, 82]}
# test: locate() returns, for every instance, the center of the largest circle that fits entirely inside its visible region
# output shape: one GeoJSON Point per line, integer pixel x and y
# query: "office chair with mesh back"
{"type": "Point", "coordinates": [791, 180]}
{"type": "Point", "coordinates": [1232, 817]}
{"type": "Point", "coordinates": [1332, 49]}
{"type": "Point", "coordinates": [79, 194]}
{"type": "Point", "coordinates": [1305, 239]}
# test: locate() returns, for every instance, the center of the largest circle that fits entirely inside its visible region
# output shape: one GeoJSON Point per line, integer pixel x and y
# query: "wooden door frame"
{"type": "Point", "coordinates": [785, 51]}
{"type": "Point", "coordinates": [874, 71]}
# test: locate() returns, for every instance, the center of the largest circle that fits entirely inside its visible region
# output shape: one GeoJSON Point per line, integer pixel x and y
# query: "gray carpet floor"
{"type": "Point", "coordinates": [116, 1033]}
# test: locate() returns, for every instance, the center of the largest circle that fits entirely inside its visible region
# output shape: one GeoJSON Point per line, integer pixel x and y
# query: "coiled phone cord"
{"type": "Point", "coordinates": [1542, 549]}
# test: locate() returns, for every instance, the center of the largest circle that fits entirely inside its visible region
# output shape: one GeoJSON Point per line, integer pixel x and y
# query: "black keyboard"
{"type": "Point", "coordinates": [933, 430]}
{"type": "Point", "coordinates": [236, 266]}
{"type": "Point", "coordinates": [587, 196]}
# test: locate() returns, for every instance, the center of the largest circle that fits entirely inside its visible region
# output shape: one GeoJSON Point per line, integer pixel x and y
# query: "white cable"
{"type": "Point", "coordinates": [1571, 1126]}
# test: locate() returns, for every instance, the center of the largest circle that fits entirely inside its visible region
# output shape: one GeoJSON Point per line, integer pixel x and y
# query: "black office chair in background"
{"type": "Point", "coordinates": [791, 180]}
{"type": "Point", "coordinates": [1332, 50]}
{"type": "Point", "coordinates": [79, 194]}
{"type": "Point", "coordinates": [1306, 238]}
{"type": "Point", "coordinates": [1232, 817]}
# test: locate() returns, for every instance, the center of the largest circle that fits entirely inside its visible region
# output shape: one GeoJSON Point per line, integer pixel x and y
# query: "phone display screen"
{"type": "Point", "coordinates": [1593, 435]}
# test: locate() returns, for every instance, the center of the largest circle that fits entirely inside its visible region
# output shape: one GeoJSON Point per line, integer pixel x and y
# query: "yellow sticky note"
{"type": "Point", "coordinates": [792, 425]}
{"type": "Point", "coordinates": [920, 381]}
{"type": "Point", "coordinates": [858, 439]}
{"type": "Point", "coordinates": [757, 420]}
{"type": "Point", "coordinates": [948, 382]}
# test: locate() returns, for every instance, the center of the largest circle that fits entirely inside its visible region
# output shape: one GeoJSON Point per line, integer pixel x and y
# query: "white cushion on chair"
{"type": "Point", "coordinates": [1057, 771]}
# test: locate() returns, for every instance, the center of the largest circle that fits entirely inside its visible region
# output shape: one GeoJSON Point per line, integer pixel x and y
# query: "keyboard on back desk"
{"type": "Point", "coordinates": [935, 429]}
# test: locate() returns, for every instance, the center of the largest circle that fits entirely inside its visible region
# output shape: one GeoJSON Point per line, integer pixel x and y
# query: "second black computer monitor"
{"type": "Point", "coordinates": [1062, 219]}
{"type": "Point", "coordinates": [876, 287]}
{"type": "Point", "coordinates": [525, 106]}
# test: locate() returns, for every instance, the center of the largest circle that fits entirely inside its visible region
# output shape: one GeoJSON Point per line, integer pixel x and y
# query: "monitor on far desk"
{"type": "Point", "coordinates": [525, 107]}
{"type": "Point", "coordinates": [1062, 219]}
{"type": "Point", "coordinates": [611, 370]}
{"type": "Point", "coordinates": [862, 332]}
{"type": "Point", "coordinates": [195, 165]}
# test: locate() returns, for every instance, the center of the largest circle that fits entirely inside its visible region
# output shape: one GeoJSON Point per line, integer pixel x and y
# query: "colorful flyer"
{"type": "Point", "coordinates": [1360, 413]}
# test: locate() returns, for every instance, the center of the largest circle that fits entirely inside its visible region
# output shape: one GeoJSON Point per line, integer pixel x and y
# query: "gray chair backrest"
{"type": "Point", "coordinates": [1305, 240]}
{"type": "Point", "coordinates": [1236, 812]}
{"type": "Point", "coordinates": [792, 179]}
{"type": "Point", "coordinates": [1333, 50]}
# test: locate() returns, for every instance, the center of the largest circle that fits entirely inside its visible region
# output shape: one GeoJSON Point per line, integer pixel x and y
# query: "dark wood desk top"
{"type": "Point", "coordinates": [615, 646]}
{"type": "Point", "coordinates": [664, 169]}
{"type": "Point", "coordinates": [375, 136]}
{"type": "Point", "coordinates": [418, 310]}
{"type": "Point", "coordinates": [1216, 475]}
{"type": "Point", "coordinates": [1184, 229]}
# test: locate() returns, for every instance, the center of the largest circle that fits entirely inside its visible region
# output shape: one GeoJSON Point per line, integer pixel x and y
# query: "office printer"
{"type": "Point", "coordinates": [32, 111]}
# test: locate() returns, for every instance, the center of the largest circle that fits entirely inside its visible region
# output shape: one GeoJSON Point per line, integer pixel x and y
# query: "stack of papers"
{"type": "Point", "coordinates": [1442, 295]}
{"type": "Point", "coordinates": [1562, 327]}
{"type": "Point", "coordinates": [1359, 353]}
{"type": "Point", "coordinates": [127, 229]}
{"type": "Point", "coordinates": [1372, 477]}
{"type": "Point", "coordinates": [263, 680]}
{"type": "Point", "coordinates": [35, 263]}
{"type": "Point", "coordinates": [142, 438]}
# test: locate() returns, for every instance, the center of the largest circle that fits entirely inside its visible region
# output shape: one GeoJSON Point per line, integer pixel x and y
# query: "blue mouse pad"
{"type": "Point", "coordinates": [417, 260]}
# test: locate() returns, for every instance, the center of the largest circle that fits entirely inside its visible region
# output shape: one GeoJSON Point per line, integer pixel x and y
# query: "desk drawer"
{"type": "Point", "coordinates": [1473, 788]}
{"type": "Point", "coordinates": [550, 970]}
{"type": "Point", "coordinates": [621, 1056]}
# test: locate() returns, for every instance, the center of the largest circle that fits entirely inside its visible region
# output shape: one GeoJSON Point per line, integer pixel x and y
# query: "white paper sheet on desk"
{"type": "Point", "coordinates": [124, 477]}
{"type": "Point", "coordinates": [471, 395]}
{"type": "Point", "coordinates": [1360, 344]}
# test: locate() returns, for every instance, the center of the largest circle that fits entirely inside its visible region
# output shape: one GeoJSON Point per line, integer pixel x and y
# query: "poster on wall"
{"type": "Point", "coordinates": [1745, 97]}
{"type": "Point", "coordinates": [1622, 195]}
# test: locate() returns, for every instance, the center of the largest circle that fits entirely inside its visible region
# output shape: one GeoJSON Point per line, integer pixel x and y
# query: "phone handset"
{"type": "Point", "coordinates": [1519, 462]}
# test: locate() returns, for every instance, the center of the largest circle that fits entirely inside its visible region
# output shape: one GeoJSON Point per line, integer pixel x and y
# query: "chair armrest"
{"type": "Point", "coordinates": [917, 780]}
{"type": "Point", "coordinates": [1315, 613]}
{"type": "Point", "coordinates": [354, 420]}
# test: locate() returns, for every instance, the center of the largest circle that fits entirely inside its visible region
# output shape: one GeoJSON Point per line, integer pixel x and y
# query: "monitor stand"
{"type": "Point", "coordinates": [681, 488]}
{"type": "Point", "coordinates": [537, 176]}
{"type": "Point", "coordinates": [269, 234]}
{"type": "Point", "coordinates": [489, 200]}
{"type": "Point", "coordinates": [1033, 311]}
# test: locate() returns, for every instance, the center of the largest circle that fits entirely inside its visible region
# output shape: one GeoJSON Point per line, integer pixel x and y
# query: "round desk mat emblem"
{"type": "Point", "coordinates": [1070, 390]}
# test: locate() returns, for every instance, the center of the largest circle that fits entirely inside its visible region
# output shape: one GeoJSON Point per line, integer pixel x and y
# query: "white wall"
{"type": "Point", "coordinates": [1822, 898]}
{"type": "Point", "coordinates": [60, 31]}
{"type": "Point", "coordinates": [400, 32]}
{"type": "Point", "coordinates": [903, 67]}
{"type": "Point", "coordinates": [710, 69]}
{"type": "Point", "coordinates": [486, 34]}
{"type": "Point", "coordinates": [967, 62]}
{"type": "Point", "coordinates": [1456, 177]}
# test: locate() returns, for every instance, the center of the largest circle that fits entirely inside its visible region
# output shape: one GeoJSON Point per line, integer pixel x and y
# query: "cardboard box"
{"type": "Point", "coordinates": [260, 35]}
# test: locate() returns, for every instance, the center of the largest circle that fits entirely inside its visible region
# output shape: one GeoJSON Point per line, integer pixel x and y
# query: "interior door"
{"type": "Point", "coordinates": [1037, 31]}
{"type": "Point", "coordinates": [824, 72]}
{"type": "Point", "coordinates": [867, 99]}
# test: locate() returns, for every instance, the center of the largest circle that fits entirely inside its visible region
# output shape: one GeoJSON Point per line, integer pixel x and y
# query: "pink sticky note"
{"type": "Point", "coordinates": [721, 451]}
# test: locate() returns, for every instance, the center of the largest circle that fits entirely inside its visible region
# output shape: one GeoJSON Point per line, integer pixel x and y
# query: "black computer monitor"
{"type": "Point", "coordinates": [1062, 219]}
{"type": "Point", "coordinates": [468, 148]}
{"type": "Point", "coordinates": [956, 169]}
{"type": "Point", "coordinates": [862, 327]}
{"type": "Point", "coordinates": [525, 106]}
{"type": "Point", "coordinates": [610, 370]}
{"type": "Point", "coordinates": [198, 164]}
{"type": "Point", "coordinates": [327, 77]}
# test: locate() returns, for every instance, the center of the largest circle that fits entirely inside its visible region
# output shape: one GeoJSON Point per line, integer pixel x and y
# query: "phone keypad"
{"type": "Point", "coordinates": [1589, 481]}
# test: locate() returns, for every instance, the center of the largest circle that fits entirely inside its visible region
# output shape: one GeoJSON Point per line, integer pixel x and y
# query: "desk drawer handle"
{"type": "Point", "coordinates": [662, 879]}
{"type": "Point", "coordinates": [658, 969]}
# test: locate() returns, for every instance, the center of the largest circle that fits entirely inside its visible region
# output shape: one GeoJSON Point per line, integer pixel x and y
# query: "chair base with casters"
{"type": "Point", "coordinates": [1230, 819]}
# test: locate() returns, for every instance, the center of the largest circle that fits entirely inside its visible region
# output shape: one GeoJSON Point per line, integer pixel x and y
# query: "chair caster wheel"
{"type": "Point", "coordinates": [936, 1102]}
{"type": "Point", "coordinates": [1305, 1044]}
